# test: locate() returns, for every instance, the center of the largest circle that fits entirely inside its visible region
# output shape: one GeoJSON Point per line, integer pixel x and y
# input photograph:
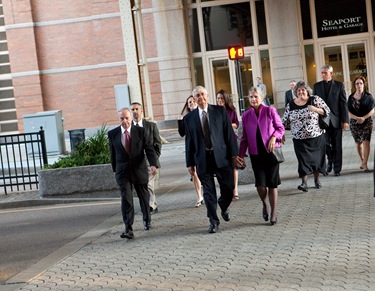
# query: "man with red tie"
{"type": "Point", "coordinates": [128, 146]}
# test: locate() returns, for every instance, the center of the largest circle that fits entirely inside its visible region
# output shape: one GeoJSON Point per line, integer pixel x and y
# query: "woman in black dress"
{"type": "Point", "coordinates": [361, 107]}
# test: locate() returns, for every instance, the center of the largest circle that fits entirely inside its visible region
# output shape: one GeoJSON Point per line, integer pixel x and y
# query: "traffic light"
{"type": "Point", "coordinates": [236, 52]}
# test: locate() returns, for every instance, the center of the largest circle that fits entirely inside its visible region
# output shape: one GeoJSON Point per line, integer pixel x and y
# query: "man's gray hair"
{"type": "Point", "coordinates": [327, 67]}
{"type": "Point", "coordinates": [198, 88]}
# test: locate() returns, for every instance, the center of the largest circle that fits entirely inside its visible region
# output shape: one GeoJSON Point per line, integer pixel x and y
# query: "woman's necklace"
{"type": "Point", "coordinates": [357, 95]}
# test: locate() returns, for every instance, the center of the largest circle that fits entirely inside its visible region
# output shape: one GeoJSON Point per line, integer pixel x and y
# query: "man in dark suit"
{"type": "Point", "coordinates": [128, 145]}
{"type": "Point", "coordinates": [153, 132]}
{"type": "Point", "coordinates": [211, 149]}
{"type": "Point", "coordinates": [289, 95]}
{"type": "Point", "coordinates": [333, 93]}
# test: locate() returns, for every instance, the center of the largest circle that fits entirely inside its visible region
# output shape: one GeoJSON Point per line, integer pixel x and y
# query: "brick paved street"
{"type": "Point", "coordinates": [324, 239]}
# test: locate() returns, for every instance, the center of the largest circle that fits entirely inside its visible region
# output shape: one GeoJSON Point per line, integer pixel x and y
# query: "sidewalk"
{"type": "Point", "coordinates": [324, 239]}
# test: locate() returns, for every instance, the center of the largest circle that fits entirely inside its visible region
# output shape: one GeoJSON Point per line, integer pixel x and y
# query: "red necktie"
{"type": "Point", "coordinates": [127, 142]}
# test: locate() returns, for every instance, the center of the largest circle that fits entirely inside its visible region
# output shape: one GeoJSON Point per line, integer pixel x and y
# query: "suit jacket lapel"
{"type": "Point", "coordinates": [198, 119]}
{"type": "Point", "coordinates": [332, 89]}
{"type": "Point", "coordinates": [211, 117]}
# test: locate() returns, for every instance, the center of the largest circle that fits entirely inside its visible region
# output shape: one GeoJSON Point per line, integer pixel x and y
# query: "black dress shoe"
{"type": "Point", "coordinates": [273, 222]}
{"type": "Point", "coordinates": [127, 234]}
{"type": "Point", "coordinates": [225, 215]}
{"type": "Point", "coordinates": [318, 185]}
{"type": "Point", "coordinates": [213, 228]}
{"type": "Point", "coordinates": [329, 168]}
{"type": "Point", "coordinates": [153, 210]}
{"type": "Point", "coordinates": [337, 174]}
{"type": "Point", "coordinates": [147, 225]}
{"type": "Point", "coordinates": [303, 187]}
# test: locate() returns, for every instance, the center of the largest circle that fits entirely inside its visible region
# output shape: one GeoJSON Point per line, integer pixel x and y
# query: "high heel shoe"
{"type": "Point", "coordinates": [265, 215]}
{"type": "Point", "coordinates": [199, 203]}
{"type": "Point", "coordinates": [273, 222]}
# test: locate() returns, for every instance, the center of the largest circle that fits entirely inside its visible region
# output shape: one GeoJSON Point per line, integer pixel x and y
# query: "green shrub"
{"type": "Point", "coordinates": [91, 151]}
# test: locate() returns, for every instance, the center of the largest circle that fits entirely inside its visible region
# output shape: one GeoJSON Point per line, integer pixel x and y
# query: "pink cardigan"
{"type": "Point", "coordinates": [269, 123]}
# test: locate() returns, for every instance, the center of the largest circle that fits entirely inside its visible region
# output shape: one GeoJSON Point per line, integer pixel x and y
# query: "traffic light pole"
{"type": "Point", "coordinates": [239, 87]}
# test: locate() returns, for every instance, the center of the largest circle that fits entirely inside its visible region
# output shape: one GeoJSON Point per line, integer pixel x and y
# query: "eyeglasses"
{"type": "Point", "coordinates": [136, 109]}
{"type": "Point", "coordinates": [358, 83]}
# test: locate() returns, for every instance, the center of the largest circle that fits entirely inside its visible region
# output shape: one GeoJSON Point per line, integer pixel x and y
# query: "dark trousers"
{"type": "Point", "coordinates": [127, 205]}
{"type": "Point", "coordinates": [334, 147]}
{"type": "Point", "coordinates": [226, 181]}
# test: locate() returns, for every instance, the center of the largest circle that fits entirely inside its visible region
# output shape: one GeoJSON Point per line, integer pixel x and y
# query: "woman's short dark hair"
{"type": "Point", "coordinates": [304, 85]}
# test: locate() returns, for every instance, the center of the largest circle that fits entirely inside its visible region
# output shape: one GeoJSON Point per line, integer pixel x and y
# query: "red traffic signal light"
{"type": "Point", "coordinates": [236, 52]}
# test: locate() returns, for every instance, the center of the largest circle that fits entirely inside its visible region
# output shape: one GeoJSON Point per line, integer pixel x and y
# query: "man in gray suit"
{"type": "Point", "coordinates": [153, 132]}
{"type": "Point", "coordinates": [333, 93]}
{"type": "Point", "coordinates": [128, 146]}
{"type": "Point", "coordinates": [211, 149]}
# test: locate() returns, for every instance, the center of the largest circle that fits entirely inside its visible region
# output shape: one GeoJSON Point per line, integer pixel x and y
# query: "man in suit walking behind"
{"type": "Point", "coordinates": [153, 132]}
{"type": "Point", "coordinates": [211, 149]}
{"type": "Point", "coordinates": [289, 95]}
{"type": "Point", "coordinates": [333, 93]}
{"type": "Point", "coordinates": [128, 145]}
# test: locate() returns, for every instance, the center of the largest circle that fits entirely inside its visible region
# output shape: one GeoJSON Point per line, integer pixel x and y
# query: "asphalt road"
{"type": "Point", "coordinates": [32, 233]}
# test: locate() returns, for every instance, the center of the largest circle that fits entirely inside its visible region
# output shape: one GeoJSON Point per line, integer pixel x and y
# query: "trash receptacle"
{"type": "Point", "coordinates": [76, 136]}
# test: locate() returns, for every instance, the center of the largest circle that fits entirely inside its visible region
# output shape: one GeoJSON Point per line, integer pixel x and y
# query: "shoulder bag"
{"type": "Point", "coordinates": [277, 151]}
{"type": "Point", "coordinates": [323, 119]}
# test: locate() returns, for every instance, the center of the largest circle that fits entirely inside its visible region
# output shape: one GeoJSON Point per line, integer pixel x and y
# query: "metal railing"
{"type": "Point", "coordinates": [22, 155]}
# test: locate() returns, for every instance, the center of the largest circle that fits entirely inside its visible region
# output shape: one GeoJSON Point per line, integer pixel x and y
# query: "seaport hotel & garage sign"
{"type": "Point", "coordinates": [346, 18]}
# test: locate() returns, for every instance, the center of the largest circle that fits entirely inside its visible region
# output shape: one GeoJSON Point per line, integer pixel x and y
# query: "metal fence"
{"type": "Point", "coordinates": [22, 155]}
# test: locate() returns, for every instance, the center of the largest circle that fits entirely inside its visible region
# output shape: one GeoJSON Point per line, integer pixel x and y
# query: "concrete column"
{"type": "Point", "coordinates": [173, 59]}
{"type": "Point", "coordinates": [130, 48]}
{"type": "Point", "coordinates": [285, 51]}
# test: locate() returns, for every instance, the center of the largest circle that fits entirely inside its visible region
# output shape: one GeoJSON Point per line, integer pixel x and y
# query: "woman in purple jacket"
{"type": "Point", "coordinates": [262, 131]}
{"type": "Point", "coordinates": [223, 99]}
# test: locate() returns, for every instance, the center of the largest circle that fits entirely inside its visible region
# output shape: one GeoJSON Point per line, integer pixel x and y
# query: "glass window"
{"type": "Point", "coordinates": [310, 64]}
{"type": "Point", "coordinates": [266, 72]}
{"type": "Point", "coordinates": [306, 19]}
{"type": "Point", "coordinates": [198, 71]}
{"type": "Point", "coordinates": [247, 82]}
{"type": "Point", "coordinates": [226, 25]}
{"type": "Point", "coordinates": [261, 22]}
{"type": "Point", "coordinates": [194, 31]}
{"type": "Point", "coordinates": [346, 18]}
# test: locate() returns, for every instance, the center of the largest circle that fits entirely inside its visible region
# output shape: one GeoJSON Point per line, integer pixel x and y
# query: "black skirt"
{"type": "Point", "coordinates": [311, 155]}
{"type": "Point", "coordinates": [265, 167]}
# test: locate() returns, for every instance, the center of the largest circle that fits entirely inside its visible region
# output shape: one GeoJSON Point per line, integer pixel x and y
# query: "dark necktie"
{"type": "Point", "coordinates": [127, 142]}
{"type": "Point", "coordinates": [137, 125]}
{"type": "Point", "coordinates": [206, 130]}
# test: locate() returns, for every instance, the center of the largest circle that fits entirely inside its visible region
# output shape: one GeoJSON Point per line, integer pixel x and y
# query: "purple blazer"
{"type": "Point", "coordinates": [233, 117]}
{"type": "Point", "coordinates": [269, 123]}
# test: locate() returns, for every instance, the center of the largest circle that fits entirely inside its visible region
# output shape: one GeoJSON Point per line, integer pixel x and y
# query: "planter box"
{"type": "Point", "coordinates": [78, 180]}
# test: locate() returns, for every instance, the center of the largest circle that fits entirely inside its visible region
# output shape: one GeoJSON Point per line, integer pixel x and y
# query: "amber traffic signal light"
{"type": "Point", "coordinates": [236, 52]}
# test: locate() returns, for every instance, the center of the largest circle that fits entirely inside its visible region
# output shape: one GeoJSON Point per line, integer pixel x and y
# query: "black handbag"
{"type": "Point", "coordinates": [323, 119]}
{"type": "Point", "coordinates": [278, 155]}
